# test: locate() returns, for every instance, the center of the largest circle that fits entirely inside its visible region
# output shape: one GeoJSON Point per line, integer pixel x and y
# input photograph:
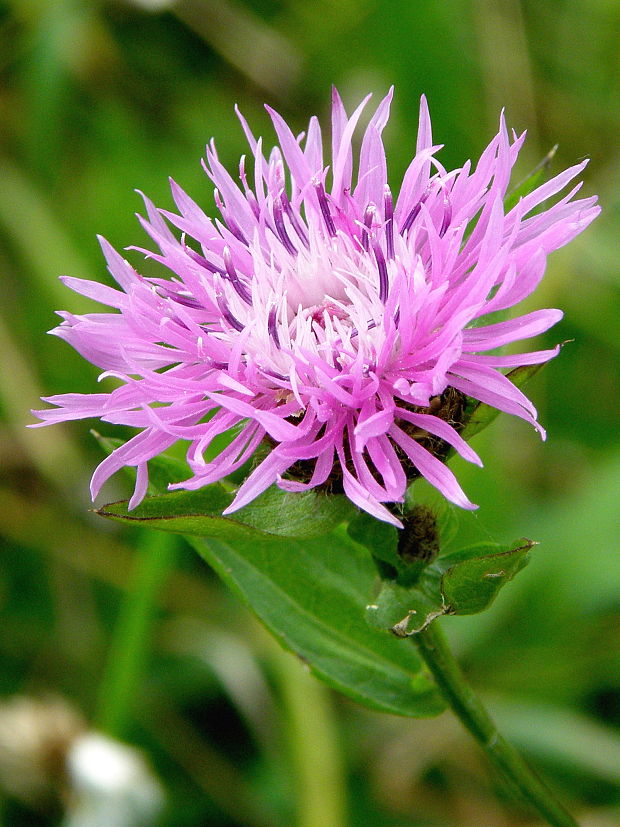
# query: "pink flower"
{"type": "Point", "coordinates": [326, 318]}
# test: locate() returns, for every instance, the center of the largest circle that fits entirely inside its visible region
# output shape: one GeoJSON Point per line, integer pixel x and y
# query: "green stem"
{"type": "Point", "coordinates": [128, 651]}
{"type": "Point", "coordinates": [312, 732]}
{"type": "Point", "coordinates": [474, 717]}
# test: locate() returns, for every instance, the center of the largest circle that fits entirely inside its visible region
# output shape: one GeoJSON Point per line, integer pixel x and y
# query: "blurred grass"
{"type": "Point", "coordinates": [99, 98]}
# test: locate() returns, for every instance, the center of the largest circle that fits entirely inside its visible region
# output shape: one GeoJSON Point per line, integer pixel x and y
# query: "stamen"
{"type": "Point", "coordinates": [271, 326]}
{"type": "Point", "coordinates": [411, 218]}
{"type": "Point", "coordinates": [447, 216]}
{"type": "Point", "coordinates": [388, 206]}
{"type": "Point", "coordinates": [413, 214]}
{"type": "Point", "coordinates": [370, 326]}
{"type": "Point", "coordinates": [229, 221]}
{"type": "Point", "coordinates": [288, 209]}
{"type": "Point", "coordinates": [242, 175]}
{"type": "Point", "coordinates": [233, 277]}
{"type": "Point", "coordinates": [235, 230]}
{"type": "Point", "coordinates": [323, 204]}
{"type": "Point", "coordinates": [369, 215]}
{"type": "Point", "coordinates": [249, 195]}
{"type": "Point", "coordinates": [383, 273]}
{"type": "Point", "coordinates": [251, 199]}
{"type": "Point", "coordinates": [281, 229]}
{"type": "Point", "coordinates": [232, 321]}
{"type": "Point", "coordinates": [186, 300]}
{"type": "Point", "coordinates": [278, 174]}
{"type": "Point", "coordinates": [274, 375]}
{"type": "Point", "coordinates": [200, 259]}
{"type": "Point", "coordinates": [173, 293]}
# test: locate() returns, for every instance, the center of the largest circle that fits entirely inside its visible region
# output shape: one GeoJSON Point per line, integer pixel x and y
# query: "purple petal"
{"type": "Point", "coordinates": [360, 496]}
{"type": "Point", "coordinates": [372, 176]}
{"type": "Point", "coordinates": [308, 315]}
{"type": "Point", "coordinates": [443, 430]}
{"type": "Point", "coordinates": [432, 469]}
{"type": "Point", "coordinates": [259, 480]}
{"type": "Point", "coordinates": [502, 333]}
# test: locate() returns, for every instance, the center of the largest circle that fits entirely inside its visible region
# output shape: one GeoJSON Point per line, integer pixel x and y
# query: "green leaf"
{"type": "Point", "coordinates": [474, 552]}
{"type": "Point", "coordinates": [304, 514]}
{"type": "Point", "coordinates": [471, 586]}
{"type": "Point", "coordinates": [312, 597]}
{"type": "Point", "coordinates": [464, 582]}
{"type": "Point", "coordinates": [307, 514]}
{"type": "Point", "coordinates": [404, 611]}
{"type": "Point", "coordinates": [483, 414]}
{"type": "Point", "coordinates": [274, 513]}
{"type": "Point", "coordinates": [311, 593]}
{"type": "Point", "coordinates": [401, 555]}
{"type": "Point", "coordinates": [380, 538]}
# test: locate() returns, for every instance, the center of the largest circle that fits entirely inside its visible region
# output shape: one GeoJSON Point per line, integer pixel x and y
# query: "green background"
{"type": "Point", "coordinates": [100, 98]}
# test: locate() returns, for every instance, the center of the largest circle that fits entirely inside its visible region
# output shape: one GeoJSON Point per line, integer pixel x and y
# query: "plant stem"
{"type": "Point", "coordinates": [130, 643]}
{"type": "Point", "coordinates": [312, 732]}
{"type": "Point", "coordinates": [467, 707]}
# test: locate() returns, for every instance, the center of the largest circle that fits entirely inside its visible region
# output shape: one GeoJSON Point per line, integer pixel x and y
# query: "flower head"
{"type": "Point", "coordinates": [324, 315]}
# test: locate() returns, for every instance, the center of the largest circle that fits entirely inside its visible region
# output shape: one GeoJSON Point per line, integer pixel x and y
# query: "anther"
{"type": "Point", "coordinates": [447, 216]}
{"type": "Point", "coordinates": [242, 176]}
{"type": "Point", "coordinates": [233, 277]}
{"type": "Point", "coordinates": [235, 230]}
{"type": "Point", "coordinates": [185, 299]}
{"type": "Point", "coordinates": [327, 216]}
{"type": "Point", "coordinates": [369, 215]}
{"type": "Point", "coordinates": [413, 214]}
{"type": "Point", "coordinates": [411, 217]}
{"type": "Point", "coordinates": [383, 273]}
{"type": "Point", "coordinates": [388, 206]}
{"type": "Point", "coordinates": [249, 195]}
{"type": "Point", "coordinates": [232, 321]}
{"type": "Point", "coordinates": [278, 174]}
{"type": "Point", "coordinates": [281, 229]}
{"type": "Point", "coordinates": [271, 326]}
{"type": "Point", "coordinates": [230, 222]}
{"type": "Point", "coordinates": [200, 259]}
{"type": "Point", "coordinates": [286, 204]}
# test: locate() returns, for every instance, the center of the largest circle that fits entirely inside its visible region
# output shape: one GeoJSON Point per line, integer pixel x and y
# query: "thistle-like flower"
{"type": "Point", "coordinates": [333, 321]}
